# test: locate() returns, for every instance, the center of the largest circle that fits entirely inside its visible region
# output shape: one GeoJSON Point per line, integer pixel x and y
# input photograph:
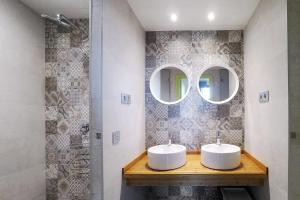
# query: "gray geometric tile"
{"type": "Point", "coordinates": [63, 127]}
{"type": "Point", "coordinates": [51, 69]}
{"type": "Point", "coordinates": [235, 48]}
{"type": "Point", "coordinates": [51, 142]}
{"type": "Point", "coordinates": [235, 36]}
{"type": "Point", "coordinates": [63, 69]}
{"type": "Point", "coordinates": [77, 68]}
{"type": "Point", "coordinates": [63, 188]}
{"type": "Point", "coordinates": [51, 127]}
{"type": "Point", "coordinates": [63, 157]}
{"type": "Point", "coordinates": [174, 191]}
{"type": "Point", "coordinates": [173, 111]}
{"type": "Point", "coordinates": [63, 40]}
{"type": "Point", "coordinates": [224, 49]}
{"type": "Point", "coordinates": [186, 137]}
{"type": "Point", "coordinates": [161, 191]}
{"type": "Point", "coordinates": [51, 156]}
{"type": "Point", "coordinates": [224, 124]}
{"type": "Point", "coordinates": [63, 171]}
{"type": "Point", "coordinates": [162, 59]}
{"type": "Point", "coordinates": [175, 137]}
{"type": "Point", "coordinates": [223, 110]}
{"type": "Point", "coordinates": [234, 137]}
{"type": "Point", "coordinates": [76, 141]}
{"type": "Point", "coordinates": [63, 141]}
{"type": "Point", "coordinates": [236, 123]}
{"type": "Point", "coordinates": [161, 111]}
{"type": "Point", "coordinates": [51, 113]}
{"type": "Point", "coordinates": [63, 55]}
{"type": "Point", "coordinates": [147, 87]}
{"type": "Point", "coordinates": [148, 73]}
{"type": "Point", "coordinates": [51, 84]}
{"type": "Point", "coordinates": [186, 123]}
{"type": "Point", "coordinates": [186, 191]}
{"type": "Point", "coordinates": [52, 171]}
{"type": "Point", "coordinates": [161, 137]}
{"type": "Point", "coordinates": [151, 50]}
{"type": "Point", "coordinates": [162, 124]}
{"type": "Point", "coordinates": [51, 55]}
{"type": "Point", "coordinates": [50, 196]}
{"type": "Point", "coordinates": [236, 110]}
{"type": "Point", "coordinates": [51, 185]}
{"type": "Point", "coordinates": [150, 37]}
{"type": "Point", "coordinates": [163, 37]}
{"type": "Point", "coordinates": [50, 40]}
{"type": "Point", "coordinates": [151, 61]}
{"type": "Point", "coordinates": [222, 36]}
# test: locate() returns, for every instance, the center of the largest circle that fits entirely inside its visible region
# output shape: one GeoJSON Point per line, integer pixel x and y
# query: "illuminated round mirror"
{"type": "Point", "coordinates": [169, 84]}
{"type": "Point", "coordinates": [218, 84]}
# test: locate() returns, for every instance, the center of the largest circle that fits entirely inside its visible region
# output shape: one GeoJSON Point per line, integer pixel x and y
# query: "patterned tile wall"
{"type": "Point", "coordinates": [193, 122]}
{"type": "Point", "coordinates": [183, 193]}
{"type": "Point", "coordinates": [67, 112]}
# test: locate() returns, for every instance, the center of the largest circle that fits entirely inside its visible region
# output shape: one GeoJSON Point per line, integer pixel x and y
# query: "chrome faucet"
{"type": "Point", "coordinates": [218, 137]}
{"type": "Point", "coordinates": [170, 142]}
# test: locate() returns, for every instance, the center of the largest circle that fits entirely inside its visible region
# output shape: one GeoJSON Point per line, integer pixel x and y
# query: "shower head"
{"type": "Point", "coordinates": [62, 20]}
{"type": "Point", "coordinates": [57, 20]}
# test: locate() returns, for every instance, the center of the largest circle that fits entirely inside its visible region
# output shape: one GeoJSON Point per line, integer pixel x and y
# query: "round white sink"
{"type": "Point", "coordinates": [166, 157]}
{"type": "Point", "coordinates": [222, 157]}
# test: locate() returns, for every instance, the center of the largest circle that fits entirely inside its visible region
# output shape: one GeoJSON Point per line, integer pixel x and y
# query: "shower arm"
{"type": "Point", "coordinates": [56, 20]}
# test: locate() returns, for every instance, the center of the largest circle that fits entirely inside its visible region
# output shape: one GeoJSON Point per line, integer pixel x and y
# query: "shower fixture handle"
{"type": "Point", "coordinates": [218, 137]}
{"type": "Point", "coordinates": [98, 136]}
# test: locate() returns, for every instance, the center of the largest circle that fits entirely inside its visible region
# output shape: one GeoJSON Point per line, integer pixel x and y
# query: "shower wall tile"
{"type": "Point", "coordinates": [184, 192]}
{"type": "Point", "coordinates": [67, 112]}
{"type": "Point", "coordinates": [193, 122]}
{"type": "Point", "coordinates": [51, 54]}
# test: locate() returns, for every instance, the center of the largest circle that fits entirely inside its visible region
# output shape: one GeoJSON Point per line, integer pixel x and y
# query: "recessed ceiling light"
{"type": "Point", "coordinates": [211, 16]}
{"type": "Point", "coordinates": [173, 17]}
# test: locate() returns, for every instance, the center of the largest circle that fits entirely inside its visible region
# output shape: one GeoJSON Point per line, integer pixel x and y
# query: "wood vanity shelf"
{"type": "Point", "coordinates": [250, 173]}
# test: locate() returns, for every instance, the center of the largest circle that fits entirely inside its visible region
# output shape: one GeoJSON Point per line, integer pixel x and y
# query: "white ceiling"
{"type": "Point", "coordinates": [70, 8]}
{"type": "Point", "coordinates": [192, 14]}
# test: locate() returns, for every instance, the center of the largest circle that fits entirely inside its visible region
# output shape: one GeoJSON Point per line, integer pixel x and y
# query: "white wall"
{"type": "Point", "coordinates": [123, 71]}
{"type": "Point", "coordinates": [266, 68]}
{"type": "Point", "coordinates": [22, 135]}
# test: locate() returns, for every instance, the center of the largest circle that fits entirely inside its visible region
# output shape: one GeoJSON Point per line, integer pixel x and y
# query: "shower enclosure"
{"type": "Point", "coordinates": [73, 131]}
{"type": "Point", "coordinates": [52, 140]}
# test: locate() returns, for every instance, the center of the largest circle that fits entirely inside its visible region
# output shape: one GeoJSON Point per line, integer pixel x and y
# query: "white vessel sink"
{"type": "Point", "coordinates": [222, 157]}
{"type": "Point", "coordinates": [166, 157]}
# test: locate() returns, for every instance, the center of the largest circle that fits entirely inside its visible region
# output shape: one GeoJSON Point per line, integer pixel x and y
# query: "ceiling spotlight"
{"type": "Point", "coordinates": [211, 16]}
{"type": "Point", "coordinates": [173, 17]}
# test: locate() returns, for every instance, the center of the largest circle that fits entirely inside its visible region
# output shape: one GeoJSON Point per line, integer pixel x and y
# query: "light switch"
{"type": "Point", "coordinates": [125, 99]}
{"type": "Point", "coordinates": [116, 137]}
{"type": "Point", "coordinates": [264, 97]}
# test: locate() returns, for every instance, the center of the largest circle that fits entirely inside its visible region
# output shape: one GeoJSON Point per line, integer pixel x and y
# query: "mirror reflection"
{"type": "Point", "coordinates": [218, 84]}
{"type": "Point", "coordinates": [169, 85]}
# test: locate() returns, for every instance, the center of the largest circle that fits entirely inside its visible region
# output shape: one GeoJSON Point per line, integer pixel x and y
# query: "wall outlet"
{"type": "Point", "coordinates": [116, 137]}
{"type": "Point", "coordinates": [125, 99]}
{"type": "Point", "coordinates": [264, 97]}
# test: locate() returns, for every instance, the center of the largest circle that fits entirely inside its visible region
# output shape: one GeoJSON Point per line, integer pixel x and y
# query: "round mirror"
{"type": "Point", "coordinates": [218, 84]}
{"type": "Point", "coordinates": [169, 84]}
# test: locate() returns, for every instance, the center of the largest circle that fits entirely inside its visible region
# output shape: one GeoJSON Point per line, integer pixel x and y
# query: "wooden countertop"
{"type": "Point", "coordinates": [250, 173]}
